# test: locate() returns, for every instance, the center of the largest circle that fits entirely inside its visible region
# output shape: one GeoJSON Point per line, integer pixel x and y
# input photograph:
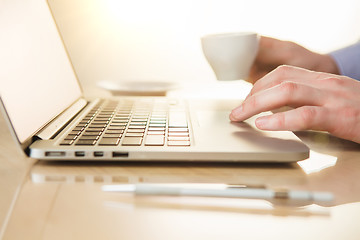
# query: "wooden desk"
{"type": "Point", "coordinates": [64, 200]}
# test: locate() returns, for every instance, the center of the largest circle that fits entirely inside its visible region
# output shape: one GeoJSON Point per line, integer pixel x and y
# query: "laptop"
{"type": "Point", "coordinates": [45, 109]}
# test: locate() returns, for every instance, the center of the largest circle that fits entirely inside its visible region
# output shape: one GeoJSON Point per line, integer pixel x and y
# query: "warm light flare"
{"type": "Point", "coordinates": [160, 39]}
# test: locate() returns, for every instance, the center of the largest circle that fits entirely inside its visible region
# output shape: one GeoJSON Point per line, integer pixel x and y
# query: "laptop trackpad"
{"type": "Point", "coordinates": [216, 128]}
{"type": "Point", "coordinates": [218, 119]}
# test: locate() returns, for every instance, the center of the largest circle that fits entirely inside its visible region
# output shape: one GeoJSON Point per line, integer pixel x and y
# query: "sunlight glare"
{"type": "Point", "coordinates": [317, 162]}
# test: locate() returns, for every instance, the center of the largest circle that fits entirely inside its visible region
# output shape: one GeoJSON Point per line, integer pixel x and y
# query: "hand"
{"type": "Point", "coordinates": [273, 53]}
{"type": "Point", "coordinates": [320, 101]}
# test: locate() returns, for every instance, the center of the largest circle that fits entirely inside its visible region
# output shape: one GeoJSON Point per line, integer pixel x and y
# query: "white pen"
{"type": "Point", "coordinates": [219, 190]}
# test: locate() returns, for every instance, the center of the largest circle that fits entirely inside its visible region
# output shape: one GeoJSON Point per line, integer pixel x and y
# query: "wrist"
{"type": "Point", "coordinates": [327, 64]}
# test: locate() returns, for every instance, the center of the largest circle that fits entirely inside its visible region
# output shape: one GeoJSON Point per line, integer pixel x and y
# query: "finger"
{"type": "Point", "coordinates": [285, 94]}
{"type": "Point", "coordinates": [346, 122]}
{"type": "Point", "coordinates": [312, 118]}
{"type": "Point", "coordinates": [303, 118]}
{"type": "Point", "coordinates": [286, 73]}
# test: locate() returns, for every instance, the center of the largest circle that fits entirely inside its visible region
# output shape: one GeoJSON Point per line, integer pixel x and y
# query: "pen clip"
{"type": "Point", "coordinates": [244, 186]}
{"type": "Point", "coordinates": [279, 193]}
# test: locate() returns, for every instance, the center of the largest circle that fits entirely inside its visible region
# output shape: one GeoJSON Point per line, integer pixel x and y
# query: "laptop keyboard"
{"type": "Point", "coordinates": [145, 122]}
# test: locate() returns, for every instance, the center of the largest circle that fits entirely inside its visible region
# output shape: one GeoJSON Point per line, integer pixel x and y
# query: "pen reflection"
{"type": "Point", "coordinates": [243, 206]}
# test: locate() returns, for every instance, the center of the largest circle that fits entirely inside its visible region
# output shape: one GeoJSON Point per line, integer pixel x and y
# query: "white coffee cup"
{"type": "Point", "coordinates": [231, 55]}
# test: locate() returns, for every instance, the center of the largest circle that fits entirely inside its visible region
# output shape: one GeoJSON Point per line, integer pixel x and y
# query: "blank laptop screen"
{"type": "Point", "coordinates": [37, 81]}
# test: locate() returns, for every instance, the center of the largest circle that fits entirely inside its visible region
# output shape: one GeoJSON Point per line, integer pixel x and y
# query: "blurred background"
{"type": "Point", "coordinates": [160, 39]}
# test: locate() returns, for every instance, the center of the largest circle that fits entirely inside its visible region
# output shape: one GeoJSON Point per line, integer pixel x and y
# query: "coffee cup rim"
{"type": "Point", "coordinates": [229, 34]}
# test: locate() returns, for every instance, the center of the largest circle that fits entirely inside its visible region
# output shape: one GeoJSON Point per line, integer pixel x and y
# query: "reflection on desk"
{"type": "Point", "coordinates": [116, 173]}
{"type": "Point", "coordinates": [64, 200]}
{"type": "Point", "coordinates": [311, 174]}
{"type": "Point", "coordinates": [63, 196]}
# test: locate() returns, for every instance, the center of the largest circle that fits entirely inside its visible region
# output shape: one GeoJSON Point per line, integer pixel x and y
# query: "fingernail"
{"type": "Point", "coordinates": [262, 122]}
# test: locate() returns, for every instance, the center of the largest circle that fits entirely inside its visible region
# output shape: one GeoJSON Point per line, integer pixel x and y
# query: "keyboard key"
{"type": "Point", "coordinates": [94, 129]}
{"type": "Point", "coordinates": [157, 125]}
{"type": "Point", "coordinates": [132, 141]}
{"type": "Point", "coordinates": [75, 132]}
{"type": "Point", "coordinates": [154, 140]}
{"type": "Point", "coordinates": [156, 133]}
{"type": "Point", "coordinates": [71, 137]}
{"type": "Point", "coordinates": [67, 142]}
{"type": "Point", "coordinates": [106, 112]}
{"type": "Point", "coordinates": [125, 109]}
{"type": "Point", "coordinates": [160, 119]}
{"type": "Point", "coordinates": [101, 123]}
{"type": "Point", "coordinates": [137, 127]}
{"type": "Point", "coordinates": [137, 123]}
{"type": "Point", "coordinates": [87, 118]}
{"type": "Point", "coordinates": [178, 139]}
{"type": "Point", "coordinates": [114, 131]}
{"type": "Point", "coordinates": [122, 115]}
{"type": "Point", "coordinates": [79, 129]}
{"type": "Point", "coordinates": [179, 143]}
{"type": "Point", "coordinates": [121, 118]}
{"type": "Point", "coordinates": [178, 134]}
{"type": "Point", "coordinates": [141, 130]}
{"type": "Point", "coordinates": [140, 116]}
{"type": "Point", "coordinates": [104, 115]}
{"type": "Point", "coordinates": [109, 141]}
{"type": "Point", "coordinates": [139, 120]}
{"type": "Point", "coordinates": [134, 134]}
{"type": "Point", "coordinates": [156, 129]}
{"type": "Point", "coordinates": [113, 124]}
{"type": "Point", "coordinates": [102, 119]}
{"type": "Point", "coordinates": [89, 138]}
{"type": "Point", "coordinates": [85, 142]}
{"type": "Point", "coordinates": [178, 130]}
{"type": "Point", "coordinates": [177, 119]}
{"type": "Point", "coordinates": [106, 135]}
{"type": "Point", "coordinates": [81, 125]}
{"type": "Point", "coordinates": [158, 122]}
{"type": "Point", "coordinates": [116, 128]}
{"type": "Point", "coordinates": [92, 125]}
{"type": "Point", "coordinates": [88, 133]}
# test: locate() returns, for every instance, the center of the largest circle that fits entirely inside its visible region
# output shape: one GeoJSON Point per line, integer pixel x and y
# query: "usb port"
{"type": "Point", "coordinates": [80, 154]}
{"type": "Point", "coordinates": [120, 154]}
{"type": "Point", "coordinates": [98, 154]}
{"type": "Point", "coordinates": [54, 154]}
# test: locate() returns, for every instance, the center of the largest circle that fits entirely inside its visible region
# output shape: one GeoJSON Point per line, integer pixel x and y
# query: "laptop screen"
{"type": "Point", "coordinates": [37, 81]}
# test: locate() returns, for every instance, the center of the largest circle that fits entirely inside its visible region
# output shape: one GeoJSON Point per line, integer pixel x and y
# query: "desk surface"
{"type": "Point", "coordinates": [64, 200]}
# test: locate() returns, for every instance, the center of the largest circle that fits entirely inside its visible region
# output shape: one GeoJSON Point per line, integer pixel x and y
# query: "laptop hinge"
{"type": "Point", "coordinates": [58, 123]}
